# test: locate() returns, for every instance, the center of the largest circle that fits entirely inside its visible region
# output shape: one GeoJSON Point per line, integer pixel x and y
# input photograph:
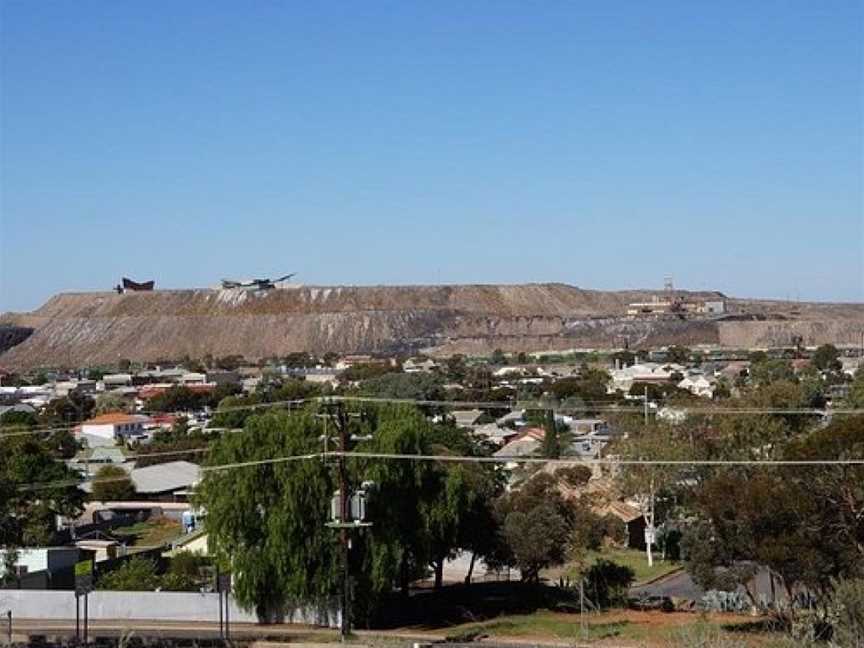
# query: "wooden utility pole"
{"type": "Point", "coordinates": [342, 425]}
{"type": "Point", "coordinates": [340, 420]}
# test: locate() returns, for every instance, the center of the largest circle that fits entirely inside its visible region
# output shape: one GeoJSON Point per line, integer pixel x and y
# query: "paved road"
{"type": "Point", "coordinates": [198, 630]}
{"type": "Point", "coordinates": [680, 585]}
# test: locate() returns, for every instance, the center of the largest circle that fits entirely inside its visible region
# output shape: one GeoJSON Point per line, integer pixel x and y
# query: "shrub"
{"type": "Point", "coordinates": [112, 483]}
{"type": "Point", "coordinates": [607, 583]}
{"type": "Point", "coordinates": [137, 574]}
{"type": "Point", "coordinates": [847, 609]}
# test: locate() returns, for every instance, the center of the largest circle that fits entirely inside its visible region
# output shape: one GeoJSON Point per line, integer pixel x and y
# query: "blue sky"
{"type": "Point", "coordinates": [601, 144]}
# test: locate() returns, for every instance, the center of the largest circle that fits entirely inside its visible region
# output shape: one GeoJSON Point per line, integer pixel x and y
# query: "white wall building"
{"type": "Point", "coordinates": [114, 425]}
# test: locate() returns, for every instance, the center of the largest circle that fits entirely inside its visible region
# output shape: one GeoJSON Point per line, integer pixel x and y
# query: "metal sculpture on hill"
{"type": "Point", "coordinates": [255, 284]}
{"type": "Point", "coordinates": [133, 286]}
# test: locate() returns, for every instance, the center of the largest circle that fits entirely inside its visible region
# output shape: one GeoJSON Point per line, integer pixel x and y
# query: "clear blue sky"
{"type": "Point", "coordinates": [601, 144]}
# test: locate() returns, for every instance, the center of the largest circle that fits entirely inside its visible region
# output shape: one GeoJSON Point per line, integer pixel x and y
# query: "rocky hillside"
{"type": "Point", "coordinates": [93, 328]}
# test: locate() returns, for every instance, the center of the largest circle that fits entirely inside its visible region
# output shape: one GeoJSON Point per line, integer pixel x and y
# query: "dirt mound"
{"type": "Point", "coordinates": [74, 329]}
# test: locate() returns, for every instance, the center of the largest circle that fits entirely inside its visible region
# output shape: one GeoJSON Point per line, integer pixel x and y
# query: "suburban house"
{"type": "Point", "coordinates": [20, 408]}
{"type": "Point", "coordinates": [221, 377]}
{"type": "Point", "coordinates": [647, 372]}
{"type": "Point", "coordinates": [699, 385]}
{"type": "Point", "coordinates": [850, 365]}
{"type": "Point", "coordinates": [89, 460]}
{"type": "Point", "coordinates": [417, 365]}
{"type": "Point", "coordinates": [110, 381]}
{"type": "Point", "coordinates": [633, 521]}
{"type": "Point", "coordinates": [151, 391]}
{"type": "Point", "coordinates": [102, 549]}
{"type": "Point", "coordinates": [320, 375]}
{"type": "Point", "coordinates": [585, 426]}
{"type": "Point", "coordinates": [195, 542]}
{"type": "Point", "coordinates": [169, 482]}
{"type": "Point", "coordinates": [35, 559]}
{"type": "Point", "coordinates": [112, 426]}
{"type": "Point", "coordinates": [348, 361]}
{"type": "Point", "coordinates": [467, 418]}
{"type": "Point", "coordinates": [494, 433]}
{"type": "Point", "coordinates": [525, 444]}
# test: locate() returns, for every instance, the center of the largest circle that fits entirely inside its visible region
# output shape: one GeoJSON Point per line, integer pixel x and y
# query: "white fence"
{"type": "Point", "coordinates": [141, 606]}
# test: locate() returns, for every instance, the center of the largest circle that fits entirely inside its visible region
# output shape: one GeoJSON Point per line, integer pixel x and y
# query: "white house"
{"type": "Point", "coordinates": [699, 385]}
{"type": "Point", "coordinates": [114, 425]}
{"type": "Point", "coordinates": [35, 559]}
{"type": "Point", "coordinates": [647, 372]}
{"type": "Point", "coordinates": [116, 380]}
{"type": "Point", "coordinates": [193, 378]}
{"type": "Point", "coordinates": [417, 365]}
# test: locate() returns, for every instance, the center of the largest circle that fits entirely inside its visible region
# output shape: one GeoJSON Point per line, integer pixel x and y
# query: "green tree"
{"type": "Point", "coordinates": [73, 408]}
{"type": "Point", "coordinates": [649, 483]}
{"type": "Point", "coordinates": [537, 538]}
{"type": "Point", "coordinates": [415, 386]}
{"type": "Point", "coordinates": [551, 442]}
{"type": "Point", "coordinates": [177, 399]}
{"type": "Point", "coordinates": [268, 521]}
{"type": "Point", "coordinates": [28, 516]}
{"type": "Point", "coordinates": [19, 419]}
{"type": "Point", "coordinates": [110, 402]}
{"type": "Point", "coordinates": [755, 518]}
{"type": "Point", "coordinates": [184, 572]}
{"type": "Point", "coordinates": [678, 354]}
{"type": "Point", "coordinates": [497, 357]}
{"type": "Point", "coordinates": [826, 358]}
{"type": "Point", "coordinates": [536, 525]}
{"type": "Point", "coordinates": [607, 583]}
{"type": "Point", "coordinates": [588, 387]}
{"type": "Point", "coordinates": [804, 522]}
{"type": "Point", "coordinates": [456, 504]}
{"type": "Point", "coordinates": [847, 610]}
{"type": "Point", "coordinates": [366, 371]}
{"type": "Point", "coordinates": [455, 367]}
{"type": "Point", "coordinates": [399, 548]}
{"type": "Point", "coordinates": [767, 371]}
{"type": "Point", "coordinates": [624, 358]}
{"type": "Point", "coordinates": [232, 411]}
{"type": "Point", "coordinates": [855, 399]}
{"type": "Point", "coordinates": [782, 395]}
{"type": "Point", "coordinates": [112, 484]}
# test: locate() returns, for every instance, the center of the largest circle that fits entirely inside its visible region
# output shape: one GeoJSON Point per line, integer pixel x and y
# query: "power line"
{"type": "Point", "coordinates": [602, 406]}
{"type": "Point", "coordinates": [604, 462]}
{"type": "Point", "coordinates": [215, 468]}
{"type": "Point", "coordinates": [479, 460]}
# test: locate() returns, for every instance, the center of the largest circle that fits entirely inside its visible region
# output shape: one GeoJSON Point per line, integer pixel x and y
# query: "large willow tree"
{"type": "Point", "coordinates": [266, 521]}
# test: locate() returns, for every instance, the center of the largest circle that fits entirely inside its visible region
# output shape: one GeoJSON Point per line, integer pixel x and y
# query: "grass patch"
{"type": "Point", "coordinates": [629, 627]}
{"type": "Point", "coordinates": [542, 624]}
{"type": "Point", "coordinates": [631, 558]}
{"type": "Point", "coordinates": [152, 533]}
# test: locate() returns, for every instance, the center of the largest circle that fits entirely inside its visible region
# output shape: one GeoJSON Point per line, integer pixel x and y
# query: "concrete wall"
{"type": "Point", "coordinates": [139, 606]}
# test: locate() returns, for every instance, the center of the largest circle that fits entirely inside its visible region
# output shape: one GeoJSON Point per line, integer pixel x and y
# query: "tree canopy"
{"type": "Point", "coordinates": [28, 517]}
{"type": "Point", "coordinates": [112, 484]}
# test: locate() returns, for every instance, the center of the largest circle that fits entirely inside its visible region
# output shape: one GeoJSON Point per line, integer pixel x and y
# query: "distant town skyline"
{"type": "Point", "coordinates": [409, 143]}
